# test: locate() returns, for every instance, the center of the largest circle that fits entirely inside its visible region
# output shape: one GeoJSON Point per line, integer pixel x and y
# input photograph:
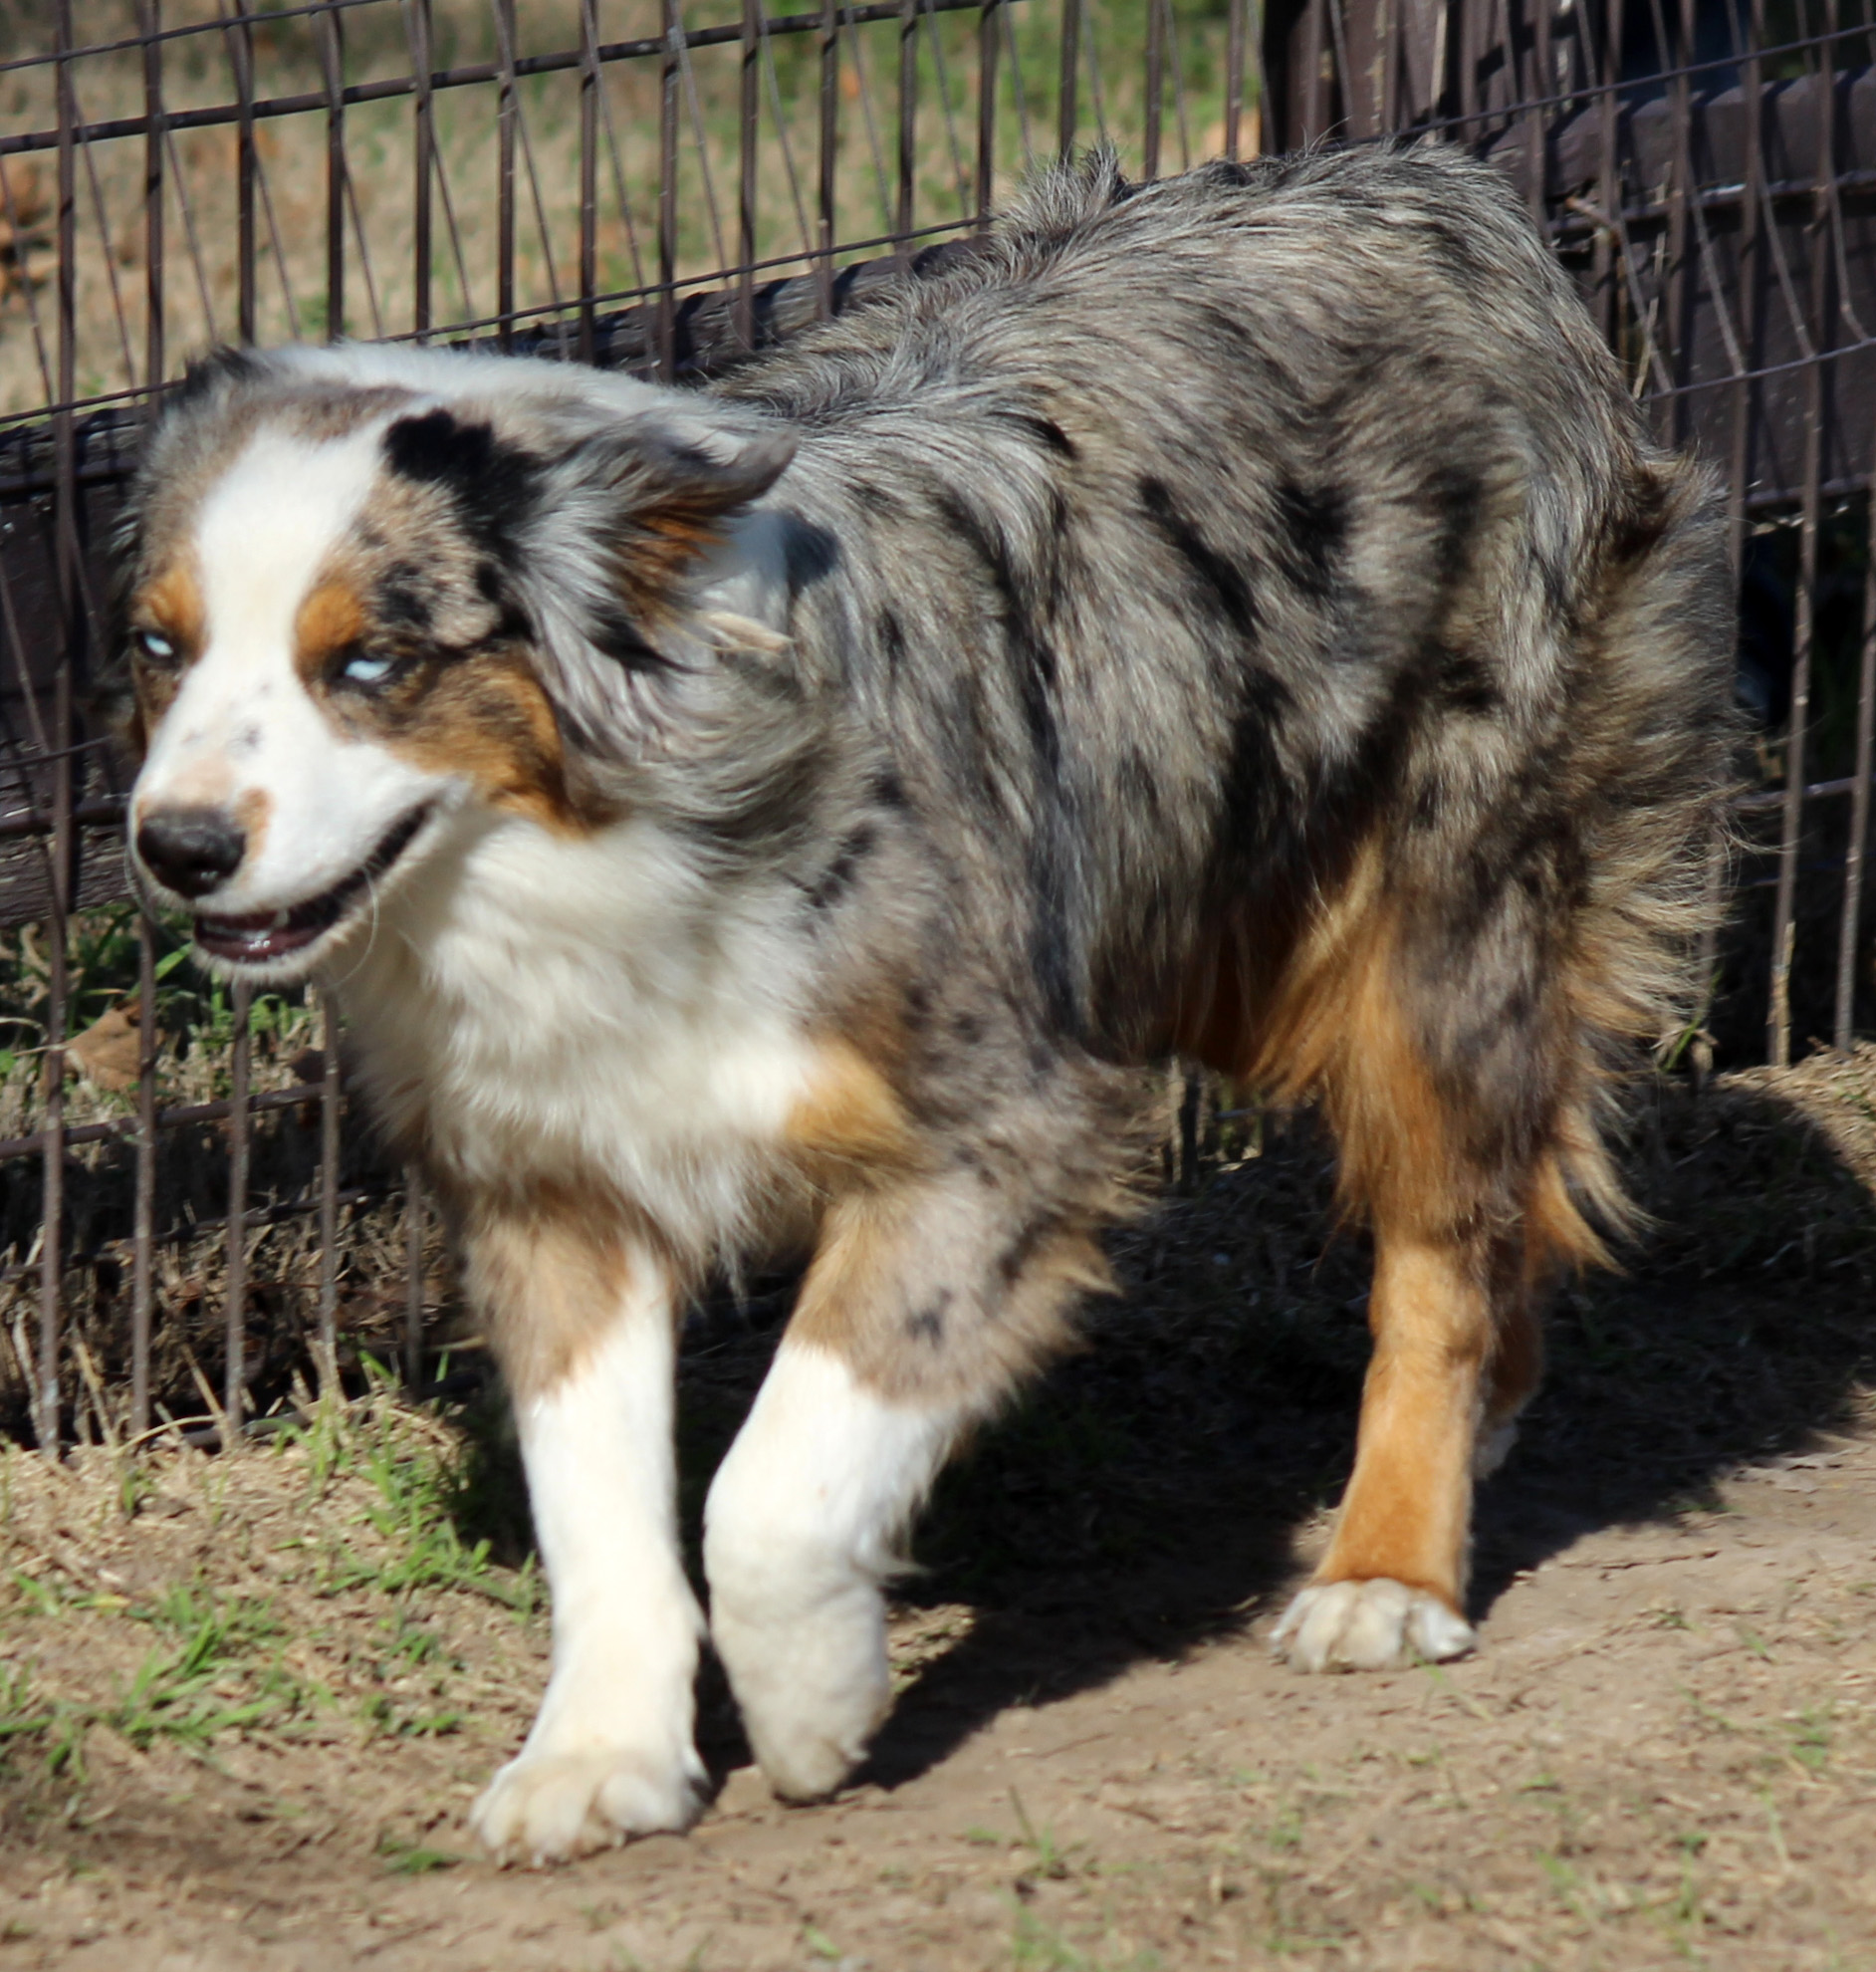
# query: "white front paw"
{"type": "Point", "coordinates": [812, 1685]}
{"type": "Point", "coordinates": [1369, 1625]}
{"type": "Point", "coordinates": [546, 1807]}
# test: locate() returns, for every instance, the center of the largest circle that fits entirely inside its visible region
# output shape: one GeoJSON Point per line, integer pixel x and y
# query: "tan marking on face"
{"type": "Point", "coordinates": [171, 604]}
{"type": "Point", "coordinates": [254, 810]}
{"type": "Point", "coordinates": [330, 620]}
{"type": "Point", "coordinates": [550, 1274]}
{"type": "Point", "coordinates": [209, 782]}
{"type": "Point", "coordinates": [488, 717]}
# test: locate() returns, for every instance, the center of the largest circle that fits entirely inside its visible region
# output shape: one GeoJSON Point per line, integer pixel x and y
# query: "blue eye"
{"type": "Point", "coordinates": [155, 646]}
{"type": "Point", "coordinates": [362, 668]}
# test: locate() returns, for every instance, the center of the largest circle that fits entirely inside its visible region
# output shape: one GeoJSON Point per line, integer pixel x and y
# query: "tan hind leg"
{"type": "Point", "coordinates": [1391, 1586]}
{"type": "Point", "coordinates": [1456, 1348]}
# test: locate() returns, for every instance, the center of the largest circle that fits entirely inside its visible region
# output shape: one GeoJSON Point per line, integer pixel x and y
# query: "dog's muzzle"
{"type": "Point", "coordinates": [259, 937]}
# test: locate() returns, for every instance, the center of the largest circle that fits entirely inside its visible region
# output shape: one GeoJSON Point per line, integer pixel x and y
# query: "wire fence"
{"type": "Point", "coordinates": [637, 185]}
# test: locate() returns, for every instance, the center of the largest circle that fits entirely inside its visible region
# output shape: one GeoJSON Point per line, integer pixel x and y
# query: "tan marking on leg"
{"type": "Point", "coordinates": [548, 1278]}
{"type": "Point", "coordinates": [1408, 1508]}
{"type": "Point", "coordinates": [1338, 1026]}
{"type": "Point", "coordinates": [849, 1127]}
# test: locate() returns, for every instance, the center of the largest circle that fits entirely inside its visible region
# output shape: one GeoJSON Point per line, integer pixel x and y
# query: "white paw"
{"type": "Point", "coordinates": [802, 1526]}
{"type": "Point", "coordinates": [546, 1807]}
{"type": "Point", "coordinates": [1369, 1625]}
{"type": "Point", "coordinates": [812, 1685]}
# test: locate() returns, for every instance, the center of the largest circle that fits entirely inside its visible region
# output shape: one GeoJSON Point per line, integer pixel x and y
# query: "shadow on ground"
{"type": "Point", "coordinates": [1149, 1493]}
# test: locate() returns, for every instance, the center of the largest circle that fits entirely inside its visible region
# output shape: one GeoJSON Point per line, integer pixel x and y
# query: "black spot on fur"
{"type": "Point", "coordinates": [1253, 793]}
{"type": "Point", "coordinates": [1313, 530]}
{"type": "Point", "coordinates": [1456, 495]}
{"type": "Point", "coordinates": [494, 485]}
{"type": "Point", "coordinates": [928, 1323]}
{"type": "Point", "coordinates": [404, 599]}
{"type": "Point", "coordinates": [223, 366]}
{"type": "Point", "coordinates": [892, 643]}
{"type": "Point", "coordinates": [889, 789]}
{"type": "Point", "coordinates": [1047, 432]}
{"type": "Point", "coordinates": [1032, 660]}
{"type": "Point", "coordinates": [880, 501]}
{"type": "Point", "coordinates": [1021, 1251]}
{"type": "Point", "coordinates": [1036, 685]}
{"type": "Point", "coordinates": [1222, 586]}
{"type": "Point", "coordinates": [1638, 525]}
{"type": "Point", "coordinates": [837, 880]}
{"type": "Point", "coordinates": [811, 554]}
{"type": "Point", "coordinates": [1466, 685]}
{"type": "Point", "coordinates": [615, 635]}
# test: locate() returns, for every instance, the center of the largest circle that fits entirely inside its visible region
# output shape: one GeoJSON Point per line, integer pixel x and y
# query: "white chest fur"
{"type": "Point", "coordinates": [582, 1011]}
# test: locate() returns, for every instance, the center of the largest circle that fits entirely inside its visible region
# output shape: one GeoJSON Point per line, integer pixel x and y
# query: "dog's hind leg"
{"type": "Point", "coordinates": [1392, 1584]}
{"type": "Point", "coordinates": [923, 1304]}
{"type": "Point", "coordinates": [586, 1334]}
{"type": "Point", "coordinates": [1442, 1078]}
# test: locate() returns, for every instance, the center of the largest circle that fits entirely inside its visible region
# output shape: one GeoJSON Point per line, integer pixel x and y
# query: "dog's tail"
{"type": "Point", "coordinates": [1654, 749]}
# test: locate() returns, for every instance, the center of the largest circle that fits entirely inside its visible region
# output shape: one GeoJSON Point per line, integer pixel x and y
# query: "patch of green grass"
{"type": "Point", "coordinates": [420, 1490]}
{"type": "Point", "coordinates": [22, 1715]}
{"type": "Point", "coordinates": [1052, 1860]}
{"type": "Point", "coordinates": [1810, 1737]}
{"type": "Point", "coordinates": [1567, 1884]}
{"type": "Point", "coordinates": [413, 1858]}
{"type": "Point", "coordinates": [1040, 1947]}
{"type": "Point", "coordinates": [221, 1674]}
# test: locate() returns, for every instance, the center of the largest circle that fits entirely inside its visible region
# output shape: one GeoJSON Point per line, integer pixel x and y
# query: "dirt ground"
{"type": "Point", "coordinates": [244, 1702]}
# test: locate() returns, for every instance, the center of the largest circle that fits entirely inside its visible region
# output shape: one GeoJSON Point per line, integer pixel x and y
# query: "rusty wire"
{"type": "Point", "coordinates": [647, 188]}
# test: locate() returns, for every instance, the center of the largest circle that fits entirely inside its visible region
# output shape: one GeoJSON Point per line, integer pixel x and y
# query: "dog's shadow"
{"type": "Point", "coordinates": [1148, 1494]}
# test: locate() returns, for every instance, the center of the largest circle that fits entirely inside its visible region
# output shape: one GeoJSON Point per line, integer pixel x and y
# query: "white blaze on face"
{"type": "Point", "coordinates": [243, 734]}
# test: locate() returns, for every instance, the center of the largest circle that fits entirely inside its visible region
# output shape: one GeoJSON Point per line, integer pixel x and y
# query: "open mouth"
{"type": "Point", "coordinates": [261, 936]}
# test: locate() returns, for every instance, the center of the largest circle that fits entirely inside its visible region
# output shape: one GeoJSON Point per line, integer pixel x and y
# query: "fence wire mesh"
{"type": "Point", "coordinates": [664, 186]}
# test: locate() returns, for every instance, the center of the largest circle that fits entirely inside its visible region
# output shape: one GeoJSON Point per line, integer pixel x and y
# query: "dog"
{"type": "Point", "coordinates": [1240, 618]}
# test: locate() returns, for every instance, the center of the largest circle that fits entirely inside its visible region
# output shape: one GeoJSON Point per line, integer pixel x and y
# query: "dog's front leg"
{"type": "Point", "coordinates": [585, 1331]}
{"type": "Point", "coordinates": [920, 1309]}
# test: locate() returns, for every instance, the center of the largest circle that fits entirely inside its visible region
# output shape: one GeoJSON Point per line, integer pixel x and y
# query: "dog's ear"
{"type": "Point", "coordinates": [713, 457]}
{"type": "Point", "coordinates": [671, 467]}
{"type": "Point", "coordinates": [623, 509]}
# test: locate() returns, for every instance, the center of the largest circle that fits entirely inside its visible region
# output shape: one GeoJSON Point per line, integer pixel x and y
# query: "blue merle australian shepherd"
{"type": "Point", "coordinates": [1239, 618]}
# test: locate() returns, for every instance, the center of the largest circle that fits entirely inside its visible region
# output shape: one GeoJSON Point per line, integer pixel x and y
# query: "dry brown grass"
{"type": "Point", "coordinates": [200, 213]}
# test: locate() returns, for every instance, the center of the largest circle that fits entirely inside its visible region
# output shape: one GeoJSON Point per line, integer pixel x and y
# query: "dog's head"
{"type": "Point", "coordinates": [366, 593]}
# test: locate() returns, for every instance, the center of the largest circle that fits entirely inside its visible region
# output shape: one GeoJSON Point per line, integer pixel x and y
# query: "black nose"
{"type": "Point", "coordinates": [190, 850]}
